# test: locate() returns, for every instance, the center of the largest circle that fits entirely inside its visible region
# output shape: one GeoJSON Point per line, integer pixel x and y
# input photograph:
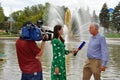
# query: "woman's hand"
{"type": "Point", "coordinates": [73, 51]}
{"type": "Point", "coordinates": [57, 70]}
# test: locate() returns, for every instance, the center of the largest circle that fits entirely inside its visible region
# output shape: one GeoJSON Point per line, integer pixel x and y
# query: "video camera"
{"type": "Point", "coordinates": [36, 32]}
{"type": "Point", "coordinates": [44, 31]}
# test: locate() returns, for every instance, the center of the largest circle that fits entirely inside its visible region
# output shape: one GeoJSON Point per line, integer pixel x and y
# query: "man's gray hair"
{"type": "Point", "coordinates": [96, 25]}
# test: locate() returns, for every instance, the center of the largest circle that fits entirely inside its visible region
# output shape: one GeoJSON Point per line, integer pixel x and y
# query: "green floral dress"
{"type": "Point", "coordinates": [58, 60]}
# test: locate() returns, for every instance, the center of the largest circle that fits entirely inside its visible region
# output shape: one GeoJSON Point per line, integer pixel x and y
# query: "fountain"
{"type": "Point", "coordinates": [68, 23]}
{"type": "Point", "coordinates": [56, 16]}
{"type": "Point", "coordinates": [75, 23]}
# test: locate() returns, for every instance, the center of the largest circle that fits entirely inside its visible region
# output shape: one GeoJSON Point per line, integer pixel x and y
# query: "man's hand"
{"type": "Point", "coordinates": [37, 57]}
{"type": "Point", "coordinates": [102, 68]}
{"type": "Point", "coordinates": [45, 37]}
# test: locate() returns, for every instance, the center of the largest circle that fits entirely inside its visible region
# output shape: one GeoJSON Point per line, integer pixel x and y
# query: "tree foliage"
{"type": "Point", "coordinates": [32, 13]}
{"type": "Point", "coordinates": [116, 17]}
{"type": "Point", "coordinates": [2, 18]}
{"type": "Point", "coordinates": [104, 16]}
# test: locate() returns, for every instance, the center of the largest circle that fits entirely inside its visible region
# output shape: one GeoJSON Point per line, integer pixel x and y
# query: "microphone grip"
{"type": "Point", "coordinates": [75, 53]}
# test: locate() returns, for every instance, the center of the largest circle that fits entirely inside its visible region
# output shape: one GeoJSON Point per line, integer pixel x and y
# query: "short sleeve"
{"type": "Point", "coordinates": [33, 46]}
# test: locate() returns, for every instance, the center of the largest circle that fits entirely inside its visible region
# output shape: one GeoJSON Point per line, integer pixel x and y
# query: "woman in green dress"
{"type": "Point", "coordinates": [58, 69]}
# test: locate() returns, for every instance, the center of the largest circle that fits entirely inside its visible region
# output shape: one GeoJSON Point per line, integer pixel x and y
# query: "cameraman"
{"type": "Point", "coordinates": [28, 54]}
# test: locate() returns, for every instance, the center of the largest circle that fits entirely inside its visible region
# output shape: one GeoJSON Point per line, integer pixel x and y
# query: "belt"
{"type": "Point", "coordinates": [93, 59]}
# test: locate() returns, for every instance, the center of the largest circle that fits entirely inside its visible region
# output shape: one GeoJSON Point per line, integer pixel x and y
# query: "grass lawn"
{"type": "Point", "coordinates": [8, 35]}
{"type": "Point", "coordinates": [112, 35]}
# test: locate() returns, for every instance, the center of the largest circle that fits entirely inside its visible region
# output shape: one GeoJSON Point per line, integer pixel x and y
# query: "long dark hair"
{"type": "Point", "coordinates": [56, 32]}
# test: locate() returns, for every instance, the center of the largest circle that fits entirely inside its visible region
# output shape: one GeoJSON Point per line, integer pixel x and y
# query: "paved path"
{"type": "Point", "coordinates": [8, 38]}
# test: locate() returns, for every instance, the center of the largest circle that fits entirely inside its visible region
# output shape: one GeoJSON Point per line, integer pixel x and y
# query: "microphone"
{"type": "Point", "coordinates": [80, 47]}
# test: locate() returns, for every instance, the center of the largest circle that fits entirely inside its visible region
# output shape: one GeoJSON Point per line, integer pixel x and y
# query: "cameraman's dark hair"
{"type": "Point", "coordinates": [39, 23]}
{"type": "Point", "coordinates": [27, 22]}
{"type": "Point", "coordinates": [56, 34]}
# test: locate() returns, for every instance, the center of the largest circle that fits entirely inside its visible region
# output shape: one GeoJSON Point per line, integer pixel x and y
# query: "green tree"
{"type": "Point", "coordinates": [2, 18]}
{"type": "Point", "coordinates": [16, 14]}
{"type": "Point", "coordinates": [116, 17]}
{"type": "Point", "coordinates": [27, 11]}
{"type": "Point", "coordinates": [104, 16]}
{"type": "Point", "coordinates": [21, 20]}
{"type": "Point", "coordinates": [34, 10]}
{"type": "Point", "coordinates": [32, 13]}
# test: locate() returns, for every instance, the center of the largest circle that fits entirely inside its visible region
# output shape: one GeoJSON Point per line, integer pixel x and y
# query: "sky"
{"type": "Point", "coordinates": [10, 6]}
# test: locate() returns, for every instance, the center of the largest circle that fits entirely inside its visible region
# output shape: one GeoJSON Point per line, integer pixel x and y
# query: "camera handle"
{"type": "Point", "coordinates": [45, 35]}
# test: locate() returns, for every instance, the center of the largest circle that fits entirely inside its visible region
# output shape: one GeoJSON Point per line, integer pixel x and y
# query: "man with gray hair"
{"type": "Point", "coordinates": [97, 54]}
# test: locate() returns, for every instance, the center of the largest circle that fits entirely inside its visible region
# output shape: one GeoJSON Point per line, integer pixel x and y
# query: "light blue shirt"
{"type": "Point", "coordinates": [97, 48]}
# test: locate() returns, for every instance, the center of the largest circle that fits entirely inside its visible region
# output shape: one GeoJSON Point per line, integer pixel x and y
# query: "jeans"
{"type": "Point", "coordinates": [33, 76]}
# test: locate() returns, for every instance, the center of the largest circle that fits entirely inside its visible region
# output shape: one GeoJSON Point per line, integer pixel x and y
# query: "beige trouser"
{"type": "Point", "coordinates": [92, 66]}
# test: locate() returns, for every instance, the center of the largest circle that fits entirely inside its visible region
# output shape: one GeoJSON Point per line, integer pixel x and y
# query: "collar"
{"type": "Point", "coordinates": [96, 36]}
